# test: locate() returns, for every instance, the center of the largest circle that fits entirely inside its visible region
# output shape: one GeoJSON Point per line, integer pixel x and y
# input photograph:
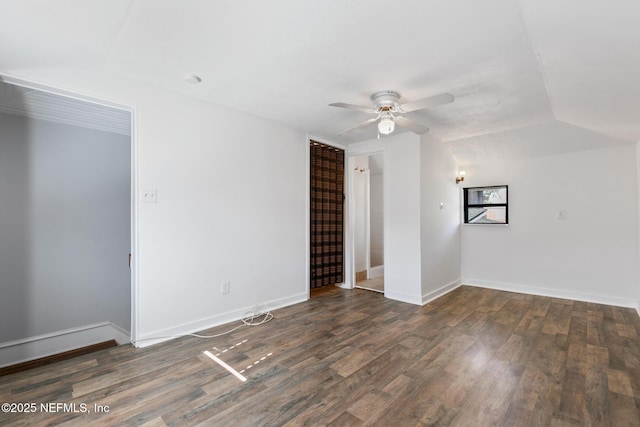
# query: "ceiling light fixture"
{"type": "Point", "coordinates": [386, 125]}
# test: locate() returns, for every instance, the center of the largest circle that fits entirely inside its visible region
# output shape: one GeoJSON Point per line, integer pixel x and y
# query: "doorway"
{"type": "Point", "coordinates": [368, 221]}
{"type": "Point", "coordinates": [326, 215]}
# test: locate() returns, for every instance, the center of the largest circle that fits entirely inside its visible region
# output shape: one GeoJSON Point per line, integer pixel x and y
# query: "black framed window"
{"type": "Point", "coordinates": [486, 205]}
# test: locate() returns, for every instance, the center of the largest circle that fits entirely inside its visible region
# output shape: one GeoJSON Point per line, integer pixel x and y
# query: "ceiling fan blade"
{"type": "Point", "coordinates": [359, 125]}
{"type": "Point", "coordinates": [432, 101]}
{"type": "Point", "coordinates": [353, 107]}
{"type": "Point", "coordinates": [411, 125]}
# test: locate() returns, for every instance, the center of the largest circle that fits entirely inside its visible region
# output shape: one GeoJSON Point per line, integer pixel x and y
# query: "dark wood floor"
{"type": "Point", "coordinates": [474, 357]}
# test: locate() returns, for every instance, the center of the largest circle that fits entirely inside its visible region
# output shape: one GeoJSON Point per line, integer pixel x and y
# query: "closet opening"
{"type": "Point", "coordinates": [327, 198]}
{"type": "Point", "coordinates": [68, 224]}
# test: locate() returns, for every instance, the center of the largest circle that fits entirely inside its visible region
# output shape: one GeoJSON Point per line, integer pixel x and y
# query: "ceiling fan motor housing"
{"type": "Point", "coordinates": [386, 98]}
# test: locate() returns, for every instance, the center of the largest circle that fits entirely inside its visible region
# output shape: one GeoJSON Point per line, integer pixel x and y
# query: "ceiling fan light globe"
{"type": "Point", "coordinates": [386, 126]}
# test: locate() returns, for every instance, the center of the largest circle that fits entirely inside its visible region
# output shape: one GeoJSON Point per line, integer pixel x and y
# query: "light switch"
{"type": "Point", "coordinates": [149, 196]}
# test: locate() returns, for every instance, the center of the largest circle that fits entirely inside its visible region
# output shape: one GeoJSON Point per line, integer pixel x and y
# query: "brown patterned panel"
{"type": "Point", "coordinates": [327, 215]}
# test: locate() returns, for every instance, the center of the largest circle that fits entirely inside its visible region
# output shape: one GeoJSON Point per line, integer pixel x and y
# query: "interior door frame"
{"type": "Point", "coordinates": [346, 275]}
{"type": "Point", "coordinates": [367, 213]}
{"type": "Point", "coordinates": [18, 81]}
{"type": "Point", "coordinates": [350, 212]}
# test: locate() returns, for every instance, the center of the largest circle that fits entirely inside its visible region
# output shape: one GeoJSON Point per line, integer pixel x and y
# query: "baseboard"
{"type": "Point", "coordinates": [424, 299]}
{"type": "Point", "coordinates": [55, 358]}
{"type": "Point", "coordinates": [427, 298]}
{"type": "Point", "coordinates": [377, 271]}
{"type": "Point", "coordinates": [554, 293]}
{"type": "Point", "coordinates": [121, 335]}
{"type": "Point", "coordinates": [162, 335]}
{"type": "Point", "coordinates": [27, 349]}
{"type": "Point", "coordinates": [399, 296]}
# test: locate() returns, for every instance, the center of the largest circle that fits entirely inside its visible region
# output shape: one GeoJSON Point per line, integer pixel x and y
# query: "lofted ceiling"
{"type": "Point", "coordinates": [530, 77]}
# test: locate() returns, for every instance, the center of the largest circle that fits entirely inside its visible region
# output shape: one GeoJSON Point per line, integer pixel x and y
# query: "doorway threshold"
{"type": "Point", "coordinates": [375, 284]}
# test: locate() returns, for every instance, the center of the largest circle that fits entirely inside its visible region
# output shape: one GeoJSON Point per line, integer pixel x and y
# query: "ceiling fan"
{"type": "Point", "coordinates": [387, 110]}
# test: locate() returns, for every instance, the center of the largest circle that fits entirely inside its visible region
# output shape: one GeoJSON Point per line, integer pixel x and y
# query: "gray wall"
{"type": "Point", "coordinates": [64, 227]}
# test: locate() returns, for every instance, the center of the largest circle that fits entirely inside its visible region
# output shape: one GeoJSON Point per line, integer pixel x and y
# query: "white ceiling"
{"type": "Point", "coordinates": [551, 73]}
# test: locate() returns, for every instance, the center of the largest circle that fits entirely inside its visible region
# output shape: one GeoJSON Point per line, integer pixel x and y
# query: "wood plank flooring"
{"type": "Point", "coordinates": [475, 357]}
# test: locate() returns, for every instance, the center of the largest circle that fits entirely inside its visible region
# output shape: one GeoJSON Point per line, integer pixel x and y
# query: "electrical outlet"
{"type": "Point", "coordinates": [225, 287]}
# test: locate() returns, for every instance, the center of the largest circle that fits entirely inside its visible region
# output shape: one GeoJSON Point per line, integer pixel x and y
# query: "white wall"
{"type": "Point", "coordinates": [231, 205]}
{"type": "Point", "coordinates": [402, 215]}
{"type": "Point", "coordinates": [231, 202]}
{"type": "Point", "coordinates": [592, 255]}
{"type": "Point", "coordinates": [64, 228]}
{"type": "Point", "coordinates": [440, 231]}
